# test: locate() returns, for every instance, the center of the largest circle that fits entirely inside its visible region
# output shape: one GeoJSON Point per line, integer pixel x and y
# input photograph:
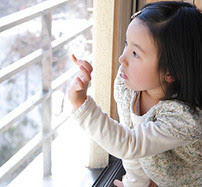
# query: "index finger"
{"type": "Point", "coordinates": [83, 63]}
{"type": "Point", "coordinates": [75, 59]}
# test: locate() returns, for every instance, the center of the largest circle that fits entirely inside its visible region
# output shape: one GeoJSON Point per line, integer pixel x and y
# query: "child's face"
{"type": "Point", "coordinates": [139, 59]}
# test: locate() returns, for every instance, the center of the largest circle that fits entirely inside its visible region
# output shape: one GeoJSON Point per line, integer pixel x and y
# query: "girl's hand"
{"type": "Point", "coordinates": [118, 183]}
{"type": "Point", "coordinates": [77, 92]}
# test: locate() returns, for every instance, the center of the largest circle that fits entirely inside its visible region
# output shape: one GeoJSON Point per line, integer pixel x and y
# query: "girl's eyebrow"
{"type": "Point", "coordinates": [136, 45]}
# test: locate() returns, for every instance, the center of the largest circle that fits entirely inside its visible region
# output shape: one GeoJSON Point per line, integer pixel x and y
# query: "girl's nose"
{"type": "Point", "coordinates": [123, 60]}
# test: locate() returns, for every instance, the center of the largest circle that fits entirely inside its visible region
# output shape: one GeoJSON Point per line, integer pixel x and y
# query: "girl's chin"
{"type": "Point", "coordinates": [127, 85]}
{"type": "Point", "coordinates": [131, 87]}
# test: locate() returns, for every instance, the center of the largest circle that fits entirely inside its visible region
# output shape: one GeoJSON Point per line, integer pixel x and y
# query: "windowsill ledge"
{"type": "Point", "coordinates": [68, 163]}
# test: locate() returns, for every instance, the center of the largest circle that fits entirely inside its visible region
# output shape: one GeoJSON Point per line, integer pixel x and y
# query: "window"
{"type": "Point", "coordinates": [29, 57]}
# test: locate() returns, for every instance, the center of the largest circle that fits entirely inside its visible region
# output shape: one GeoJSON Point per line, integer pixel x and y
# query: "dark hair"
{"type": "Point", "coordinates": [177, 29]}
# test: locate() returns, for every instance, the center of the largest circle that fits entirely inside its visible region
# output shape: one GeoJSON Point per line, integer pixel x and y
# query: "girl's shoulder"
{"type": "Point", "coordinates": [176, 118]}
{"type": "Point", "coordinates": [177, 108]}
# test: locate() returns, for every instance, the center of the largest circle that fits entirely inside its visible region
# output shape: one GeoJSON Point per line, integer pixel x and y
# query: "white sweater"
{"type": "Point", "coordinates": [162, 145]}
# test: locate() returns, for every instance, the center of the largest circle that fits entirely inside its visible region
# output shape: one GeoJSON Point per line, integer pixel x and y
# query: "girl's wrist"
{"type": "Point", "coordinates": [78, 104]}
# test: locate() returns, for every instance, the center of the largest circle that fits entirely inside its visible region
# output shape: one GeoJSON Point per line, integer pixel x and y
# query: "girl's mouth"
{"type": "Point", "coordinates": [124, 76]}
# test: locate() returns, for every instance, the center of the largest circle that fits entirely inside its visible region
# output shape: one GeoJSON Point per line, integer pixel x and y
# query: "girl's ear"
{"type": "Point", "coordinates": [169, 78]}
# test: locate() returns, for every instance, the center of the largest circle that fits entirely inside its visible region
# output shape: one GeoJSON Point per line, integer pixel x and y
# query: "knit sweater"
{"type": "Point", "coordinates": [162, 145]}
{"type": "Point", "coordinates": [180, 164]}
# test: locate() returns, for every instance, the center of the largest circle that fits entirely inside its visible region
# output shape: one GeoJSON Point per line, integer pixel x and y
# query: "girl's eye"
{"type": "Point", "coordinates": [135, 54]}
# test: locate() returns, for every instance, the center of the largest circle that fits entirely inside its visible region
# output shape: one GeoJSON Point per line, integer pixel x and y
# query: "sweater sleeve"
{"type": "Point", "coordinates": [135, 175]}
{"type": "Point", "coordinates": [144, 140]}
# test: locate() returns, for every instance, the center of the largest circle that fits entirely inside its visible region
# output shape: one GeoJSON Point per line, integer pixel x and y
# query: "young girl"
{"type": "Point", "coordinates": [159, 96]}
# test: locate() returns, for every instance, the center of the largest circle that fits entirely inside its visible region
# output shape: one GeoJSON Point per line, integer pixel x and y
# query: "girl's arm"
{"type": "Point", "coordinates": [144, 140]}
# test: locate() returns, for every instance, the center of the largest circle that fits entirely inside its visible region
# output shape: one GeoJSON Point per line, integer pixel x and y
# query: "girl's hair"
{"type": "Point", "coordinates": [177, 30]}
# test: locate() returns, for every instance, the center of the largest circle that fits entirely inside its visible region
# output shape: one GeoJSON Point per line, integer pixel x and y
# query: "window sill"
{"type": "Point", "coordinates": [69, 151]}
{"type": "Point", "coordinates": [69, 154]}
